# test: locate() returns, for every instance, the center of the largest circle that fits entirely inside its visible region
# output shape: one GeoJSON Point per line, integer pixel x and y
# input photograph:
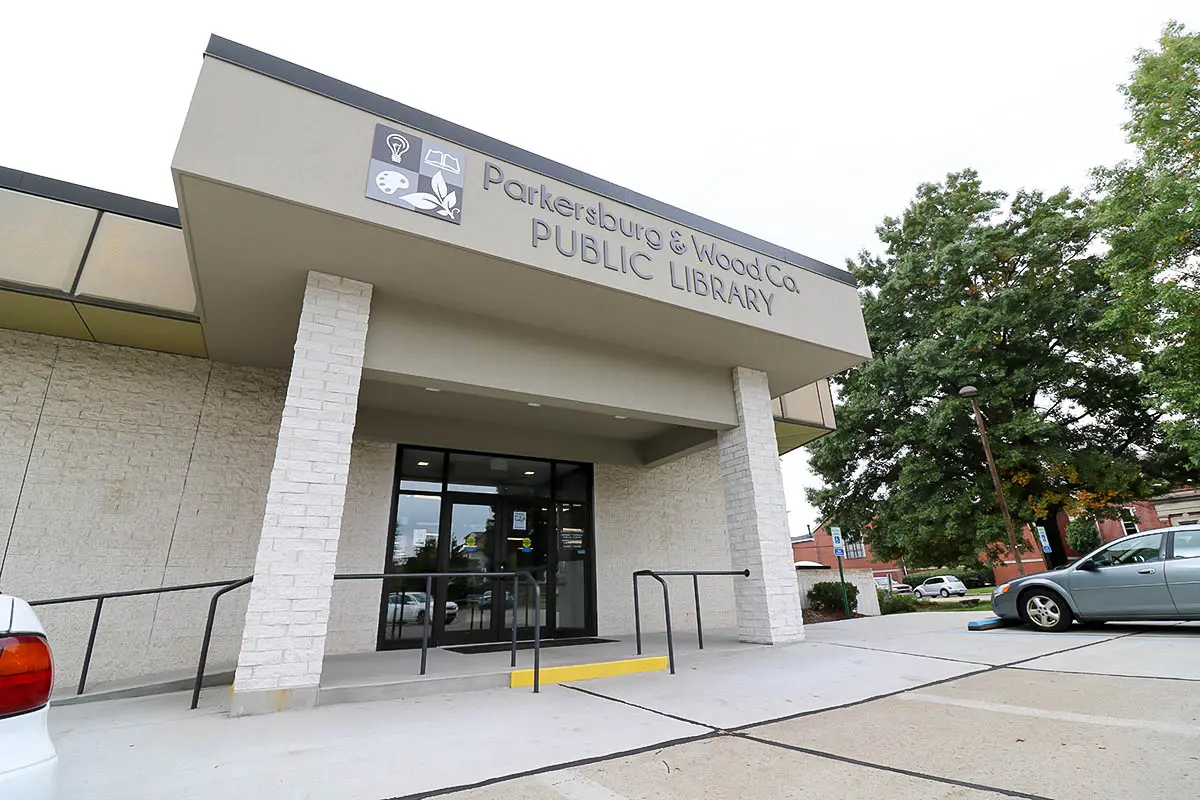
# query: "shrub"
{"type": "Point", "coordinates": [972, 577]}
{"type": "Point", "coordinates": [896, 603]}
{"type": "Point", "coordinates": [1082, 535]}
{"type": "Point", "coordinates": [827, 596]}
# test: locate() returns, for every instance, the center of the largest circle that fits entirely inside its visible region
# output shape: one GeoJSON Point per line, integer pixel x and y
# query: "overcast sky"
{"type": "Point", "coordinates": [801, 123]}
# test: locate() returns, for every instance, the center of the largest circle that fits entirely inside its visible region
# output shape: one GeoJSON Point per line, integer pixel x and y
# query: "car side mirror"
{"type": "Point", "coordinates": [1088, 565]}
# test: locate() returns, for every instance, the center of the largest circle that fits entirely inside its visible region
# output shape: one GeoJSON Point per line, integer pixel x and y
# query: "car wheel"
{"type": "Point", "coordinates": [917, 594]}
{"type": "Point", "coordinates": [945, 592]}
{"type": "Point", "coordinates": [1045, 610]}
{"type": "Point", "coordinates": [420, 617]}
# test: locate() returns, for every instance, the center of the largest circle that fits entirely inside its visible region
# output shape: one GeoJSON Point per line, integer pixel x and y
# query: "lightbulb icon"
{"type": "Point", "coordinates": [398, 145]}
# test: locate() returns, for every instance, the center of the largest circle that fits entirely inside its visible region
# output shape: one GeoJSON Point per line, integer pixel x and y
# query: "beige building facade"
{"type": "Point", "coordinates": [372, 341]}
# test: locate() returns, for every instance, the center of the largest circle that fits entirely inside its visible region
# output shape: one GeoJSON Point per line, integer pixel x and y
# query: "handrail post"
{"type": "Point", "coordinates": [516, 594]}
{"type": "Point", "coordinates": [537, 635]}
{"type": "Point", "coordinates": [425, 623]}
{"type": "Point", "coordinates": [699, 624]}
{"type": "Point", "coordinates": [667, 614]}
{"type": "Point", "coordinates": [87, 656]}
{"type": "Point", "coordinates": [637, 616]}
{"type": "Point", "coordinates": [208, 627]}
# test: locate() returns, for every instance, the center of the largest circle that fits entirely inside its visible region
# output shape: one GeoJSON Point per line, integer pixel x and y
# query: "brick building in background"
{"type": "Point", "coordinates": [1174, 508]}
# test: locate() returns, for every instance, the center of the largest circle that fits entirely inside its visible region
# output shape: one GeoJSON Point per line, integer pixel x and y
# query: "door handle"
{"type": "Point", "coordinates": [1147, 571]}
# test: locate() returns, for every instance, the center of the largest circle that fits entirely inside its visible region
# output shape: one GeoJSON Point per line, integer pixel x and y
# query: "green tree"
{"type": "Point", "coordinates": [1082, 535]}
{"type": "Point", "coordinates": [1007, 296]}
{"type": "Point", "coordinates": [1149, 213]}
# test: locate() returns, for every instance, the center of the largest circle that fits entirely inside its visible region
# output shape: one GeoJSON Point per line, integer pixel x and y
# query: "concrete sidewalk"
{"type": "Point", "coordinates": [831, 716]}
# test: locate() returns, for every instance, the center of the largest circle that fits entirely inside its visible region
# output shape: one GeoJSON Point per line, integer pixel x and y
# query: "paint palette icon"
{"type": "Point", "coordinates": [389, 181]}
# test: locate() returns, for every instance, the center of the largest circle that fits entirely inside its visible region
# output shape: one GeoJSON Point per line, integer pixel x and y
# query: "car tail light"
{"type": "Point", "coordinates": [26, 673]}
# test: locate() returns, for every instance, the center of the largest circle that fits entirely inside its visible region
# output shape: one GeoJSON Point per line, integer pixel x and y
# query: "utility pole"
{"type": "Point", "coordinates": [972, 394]}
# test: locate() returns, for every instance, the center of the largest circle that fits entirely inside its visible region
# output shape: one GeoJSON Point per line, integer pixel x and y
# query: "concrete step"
{"type": "Point", "coordinates": [425, 686]}
{"type": "Point", "coordinates": [583, 672]}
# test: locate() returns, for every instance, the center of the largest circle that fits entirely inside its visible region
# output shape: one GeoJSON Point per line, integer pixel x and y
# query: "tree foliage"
{"type": "Point", "coordinates": [1082, 535]}
{"type": "Point", "coordinates": [1149, 213]}
{"type": "Point", "coordinates": [1009, 296]}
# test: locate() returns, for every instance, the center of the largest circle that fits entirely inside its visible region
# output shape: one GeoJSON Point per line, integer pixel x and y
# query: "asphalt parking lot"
{"type": "Point", "coordinates": [1055, 725]}
{"type": "Point", "coordinates": [907, 706]}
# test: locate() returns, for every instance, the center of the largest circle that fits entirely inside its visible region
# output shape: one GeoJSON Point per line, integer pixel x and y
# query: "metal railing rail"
{"type": "Point", "coordinates": [658, 575]}
{"type": "Point", "coordinates": [426, 616]}
{"type": "Point", "coordinates": [100, 597]}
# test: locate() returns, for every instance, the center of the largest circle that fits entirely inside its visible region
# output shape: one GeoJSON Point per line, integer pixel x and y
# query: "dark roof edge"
{"type": "Point", "coordinates": [309, 80]}
{"type": "Point", "coordinates": [28, 183]}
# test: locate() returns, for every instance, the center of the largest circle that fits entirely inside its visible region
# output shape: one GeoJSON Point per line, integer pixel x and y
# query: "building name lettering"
{"type": "Point", "coordinates": [642, 249]}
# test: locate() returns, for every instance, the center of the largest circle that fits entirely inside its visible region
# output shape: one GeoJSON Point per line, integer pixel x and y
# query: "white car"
{"type": "Point", "coordinates": [410, 607]}
{"type": "Point", "coordinates": [28, 762]}
{"type": "Point", "coordinates": [944, 585]}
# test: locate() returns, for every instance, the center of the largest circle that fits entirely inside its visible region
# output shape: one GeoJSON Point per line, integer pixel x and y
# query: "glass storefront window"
{"type": "Point", "coordinates": [573, 481]}
{"type": "Point", "coordinates": [415, 547]}
{"type": "Point", "coordinates": [467, 513]}
{"type": "Point", "coordinates": [422, 470]}
{"type": "Point", "coordinates": [498, 475]}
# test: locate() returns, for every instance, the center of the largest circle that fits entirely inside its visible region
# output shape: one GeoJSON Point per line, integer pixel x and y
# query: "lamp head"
{"type": "Point", "coordinates": [968, 391]}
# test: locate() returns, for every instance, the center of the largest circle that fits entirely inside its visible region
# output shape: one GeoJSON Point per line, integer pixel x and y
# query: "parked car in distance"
{"type": "Point", "coordinates": [1147, 576]}
{"type": "Point", "coordinates": [28, 761]}
{"type": "Point", "coordinates": [410, 607]}
{"type": "Point", "coordinates": [942, 585]}
{"type": "Point", "coordinates": [888, 584]}
{"type": "Point", "coordinates": [486, 600]}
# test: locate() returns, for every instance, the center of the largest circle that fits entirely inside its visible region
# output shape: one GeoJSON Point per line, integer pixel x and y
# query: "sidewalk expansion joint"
{"type": "Point", "coordinates": [897, 770]}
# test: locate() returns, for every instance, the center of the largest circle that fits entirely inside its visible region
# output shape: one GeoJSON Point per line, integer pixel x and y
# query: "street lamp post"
{"type": "Point", "coordinates": [972, 394]}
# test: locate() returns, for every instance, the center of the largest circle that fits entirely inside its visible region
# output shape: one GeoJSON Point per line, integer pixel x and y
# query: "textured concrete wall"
{"type": "Point", "coordinates": [669, 517]}
{"type": "Point", "coordinates": [354, 616]}
{"type": "Point", "coordinates": [863, 579]}
{"type": "Point", "coordinates": [132, 469]}
{"type": "Point", "coordinates": [768, 605]}
{"type": "Point", "coordinates": [283, 642]}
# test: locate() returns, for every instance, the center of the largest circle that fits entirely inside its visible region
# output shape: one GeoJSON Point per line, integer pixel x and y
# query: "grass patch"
{"type": "Point", "coordinates": [986, 590]}
{"type": "Point", "coordinates": [968, 604]}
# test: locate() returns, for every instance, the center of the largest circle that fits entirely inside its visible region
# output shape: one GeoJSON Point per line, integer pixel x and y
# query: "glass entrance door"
{"type": "Point", "coordinates": [469, 513]}
{"type": "Point", "coordinates": [493, 535]}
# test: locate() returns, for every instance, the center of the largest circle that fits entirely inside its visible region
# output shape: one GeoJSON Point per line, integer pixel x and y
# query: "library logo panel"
{"type": "Point", "coordinates": [418, 173]}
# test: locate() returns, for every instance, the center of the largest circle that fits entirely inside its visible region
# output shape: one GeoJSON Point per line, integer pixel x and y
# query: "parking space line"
{"type": "Point", "coordinates": [914, 655]}
{"type": "Point", "coordinates": [1061, 716]}
{"type": "Point", "coordinates": [1032, 668]}
{"type": "Point", "coordinates": [979, 787]}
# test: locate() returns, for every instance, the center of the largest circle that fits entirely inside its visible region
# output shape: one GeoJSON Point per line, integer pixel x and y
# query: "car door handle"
{"type": "Point", "coordinates": [1147, 571]}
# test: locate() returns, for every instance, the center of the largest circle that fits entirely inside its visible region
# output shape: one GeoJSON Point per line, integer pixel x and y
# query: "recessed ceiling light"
{"type": "Point", "coordinates": [534, 405]}
{"type": "Point", "coordinates": [422, 463]}
{"type": "Point", "coordinates": [530, 472]}
{"type": "Point", "coordinates": [432, 389]}
{"type": "Point", "coordinates": [619, 416]}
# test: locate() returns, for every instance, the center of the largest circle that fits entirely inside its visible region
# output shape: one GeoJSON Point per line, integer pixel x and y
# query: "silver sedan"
{"type": "Point", "coordinates": [1147, 576]}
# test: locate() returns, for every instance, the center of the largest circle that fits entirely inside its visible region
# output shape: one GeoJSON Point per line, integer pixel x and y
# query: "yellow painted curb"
{"type": "Point", "coordinates": [583, 672]}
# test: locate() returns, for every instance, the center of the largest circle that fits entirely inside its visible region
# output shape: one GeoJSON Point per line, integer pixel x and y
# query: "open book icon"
{"type": "Point", "coordinates": [437, 158]}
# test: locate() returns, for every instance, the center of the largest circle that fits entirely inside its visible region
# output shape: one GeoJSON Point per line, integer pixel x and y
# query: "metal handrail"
{"type": "Point", "coordinates": [100, 597]}
{"type": "Point", "coordinates": [428, 577]}
{"type": "Point", "coordinates": [658, 575]}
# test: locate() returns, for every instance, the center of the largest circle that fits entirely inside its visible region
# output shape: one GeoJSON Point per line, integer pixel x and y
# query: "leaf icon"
{"type": "Point", "coordinates": [422, 200]}
{"type": "Point", "coordinates": [451, 200]}
{"type": "Point", "coordinates": [439, 185]}
{"type": "Point", "coordinates": [445, 213]}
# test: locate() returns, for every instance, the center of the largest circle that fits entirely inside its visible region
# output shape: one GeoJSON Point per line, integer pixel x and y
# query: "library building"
{"type": "Point", "coordinates": [367, 340]}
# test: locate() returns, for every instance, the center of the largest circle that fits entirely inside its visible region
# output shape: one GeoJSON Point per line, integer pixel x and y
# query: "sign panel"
{"type": "Point", "coordinates": [417, 173]}
{"type": "Point", "coordinates": [839, 546]}
{"type": "Point", "coordinates": [1044, 539]}
{"type": "Point", "coordinates": [520, 519]}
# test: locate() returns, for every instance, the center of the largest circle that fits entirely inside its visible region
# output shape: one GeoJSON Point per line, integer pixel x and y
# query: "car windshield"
{"type": "Point", "coordinates": [1134, 550]}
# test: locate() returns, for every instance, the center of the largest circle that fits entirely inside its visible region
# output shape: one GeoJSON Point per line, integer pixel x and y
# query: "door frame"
{"type": "Point", "coordinates": [504, 502]}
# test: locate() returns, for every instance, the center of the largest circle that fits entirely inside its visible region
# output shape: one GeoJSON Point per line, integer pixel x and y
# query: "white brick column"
{"type": "Point", "coordinates": [283, 643]}
{"type": "Point", "coordinates": [768, 602]}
